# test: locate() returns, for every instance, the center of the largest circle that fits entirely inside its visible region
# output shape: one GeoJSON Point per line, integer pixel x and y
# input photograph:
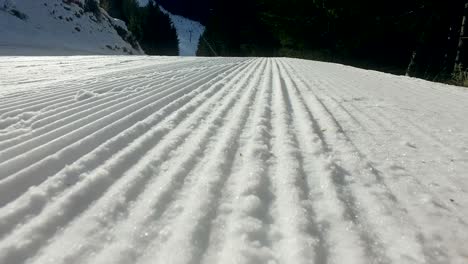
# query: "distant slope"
{"type": "Point", "coordinates": [60, 27]}
{"type": "Point", "coordinates": [188, 32]}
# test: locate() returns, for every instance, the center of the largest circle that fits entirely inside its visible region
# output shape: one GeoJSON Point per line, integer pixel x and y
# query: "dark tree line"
{"type": "Point", "coordinates": [394, 36]}
{"type": "Point", "coordinates": [198, 10]}
{"type": "Point", "coordinates": [152, 28]}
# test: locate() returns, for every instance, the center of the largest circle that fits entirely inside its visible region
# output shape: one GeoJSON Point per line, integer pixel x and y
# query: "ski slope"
{"type": "Point", "coordinates": [135, 159]}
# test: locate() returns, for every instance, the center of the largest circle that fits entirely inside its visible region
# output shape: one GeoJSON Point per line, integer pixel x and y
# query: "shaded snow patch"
{"type": "Point", "coordinates": [84, 94]}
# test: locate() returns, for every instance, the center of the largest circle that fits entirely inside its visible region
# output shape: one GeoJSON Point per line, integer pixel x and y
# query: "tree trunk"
{"type": "Point", "coordinates": [457, 65]}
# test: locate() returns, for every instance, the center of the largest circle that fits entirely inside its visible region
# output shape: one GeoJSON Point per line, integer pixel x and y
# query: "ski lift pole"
{"type": "Point", "coordinates": [457, 64]}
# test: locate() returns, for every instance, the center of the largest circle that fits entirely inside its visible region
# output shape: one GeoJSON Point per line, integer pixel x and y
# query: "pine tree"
{"type": "Point", "coordinates": [152, 28]}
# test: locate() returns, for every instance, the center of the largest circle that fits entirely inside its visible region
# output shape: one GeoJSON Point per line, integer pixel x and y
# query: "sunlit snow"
{"type": "Point", "coordinates": [138, 159]}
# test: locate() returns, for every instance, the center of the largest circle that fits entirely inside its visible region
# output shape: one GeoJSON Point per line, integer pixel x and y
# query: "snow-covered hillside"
{"type": "Point", "coordinates": [54, 27]}
{"type": "Point", "coordinates": [131, 159]}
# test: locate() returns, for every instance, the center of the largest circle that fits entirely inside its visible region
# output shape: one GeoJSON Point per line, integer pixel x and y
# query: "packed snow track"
{"type": "Point", "coordinates": [228, 160]}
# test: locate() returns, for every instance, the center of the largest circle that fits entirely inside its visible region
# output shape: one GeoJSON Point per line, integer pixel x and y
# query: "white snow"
{"type": "Point", "coordinates": [135, 159]}
{"type": "Point", "coordinates": [57, 27]}
{"type": "Point", "coordinates": [83, 95]}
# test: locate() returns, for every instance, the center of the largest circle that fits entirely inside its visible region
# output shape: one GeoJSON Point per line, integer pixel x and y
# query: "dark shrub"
{"type": "Point", "coordinates": [93, 7]}
{"type": "Point", "coordinates": [18, 14]}
{"type": "Point", "coordinates": [126, 36]}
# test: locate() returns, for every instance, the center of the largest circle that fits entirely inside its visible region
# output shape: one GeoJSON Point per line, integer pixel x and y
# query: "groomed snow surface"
{"type": "Point", "coordinates": [228, 160]}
